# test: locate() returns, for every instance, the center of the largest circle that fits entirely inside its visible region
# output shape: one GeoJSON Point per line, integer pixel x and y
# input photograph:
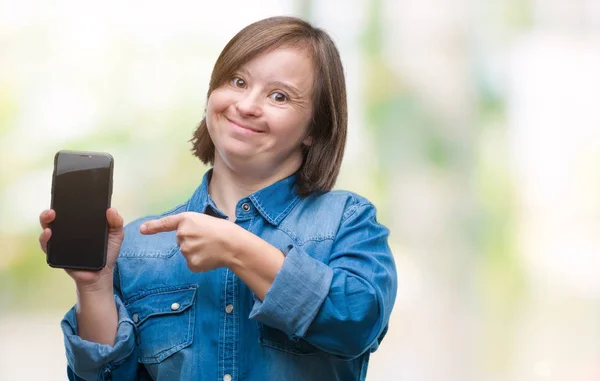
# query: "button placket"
{"type": "Point", "coordinates": [230, 327]}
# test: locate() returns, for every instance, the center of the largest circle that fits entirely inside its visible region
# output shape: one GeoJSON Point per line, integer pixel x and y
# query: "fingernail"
{"type": "Point", "coordinates": [143, 227]}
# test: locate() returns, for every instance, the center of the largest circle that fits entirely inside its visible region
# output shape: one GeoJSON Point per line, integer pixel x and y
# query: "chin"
{"type": "Point", "coordinates": [236, 149]}
{"type": "Point", "coordinates": [238, 156]}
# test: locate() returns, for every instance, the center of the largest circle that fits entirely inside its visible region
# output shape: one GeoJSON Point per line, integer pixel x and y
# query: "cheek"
{"type": "Point", "coordinates": [217, 103]}
{"type": "Point", "coordinates": [214, 106]}
{"type": "Point", "coordinates": [292, 124]}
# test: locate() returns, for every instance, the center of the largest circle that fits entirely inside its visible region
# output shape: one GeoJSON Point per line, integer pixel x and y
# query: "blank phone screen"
{"type": "Point", "coordinates": [80, 198]}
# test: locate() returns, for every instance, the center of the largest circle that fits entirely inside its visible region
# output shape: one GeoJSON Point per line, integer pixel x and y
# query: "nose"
{"type": "Point", "coordinates": [249, 105]}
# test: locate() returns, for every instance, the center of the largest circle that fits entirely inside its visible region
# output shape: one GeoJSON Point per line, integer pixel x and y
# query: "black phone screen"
{"type": "Point", "coordinates": [81, 192]}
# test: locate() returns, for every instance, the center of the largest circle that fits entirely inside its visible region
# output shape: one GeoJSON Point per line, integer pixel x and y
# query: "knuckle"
{"type": "Point", "coordinates": [164, 222]}
{"type": "Point", "coordinates": [195, 262]}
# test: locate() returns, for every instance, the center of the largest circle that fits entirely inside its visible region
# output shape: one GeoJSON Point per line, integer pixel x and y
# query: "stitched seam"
{"type": "Point", "coordinates": [352, 210]}
{"type": "Point", "coordinates": [161, 355]}
{"type": "Point", "coordinates": [299, 242]}
{"type": "Point", "coordinates": [164, 314]}
{"type": "Point", "coordinates": [224, 323]}
{"type": "Point", "coordinates": [191, 319]}
{"type": "Point", "coordinates": [272, 220]}
{"type": "Point", "coordinates": [319, 238]}
{"type": "Point", "coordinates": [159, 291]}
{"type": "Point", "coordinates": [148, 255]}
{"type": "Point", "coordinates": [235, 335]}
{"type": "Point", "coordinates": [252, 218]}
{"type": "Point", "coordinates": [289, 207]}
{"type": "Point", "coordinates": [129, 253]}
{"type": "Point", "coordinates": [264, 212]}
{"type": "Point", "coordinates": [288, 232]}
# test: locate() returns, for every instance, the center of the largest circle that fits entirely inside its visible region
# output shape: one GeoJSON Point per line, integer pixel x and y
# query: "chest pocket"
{"type": "Point", "coordinates": [274, 338]}
{"type": "Point", "coordinates": [164, 320]}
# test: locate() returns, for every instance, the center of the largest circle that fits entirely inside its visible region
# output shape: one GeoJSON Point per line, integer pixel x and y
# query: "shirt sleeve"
{"type": "Point", "coordinates": [88, 360]}
{"type": "Point", "coordinates": [342, 307]}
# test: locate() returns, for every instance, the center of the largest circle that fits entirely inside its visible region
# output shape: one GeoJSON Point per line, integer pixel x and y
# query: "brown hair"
{"type": "Point", "coordinates": [323, 158]}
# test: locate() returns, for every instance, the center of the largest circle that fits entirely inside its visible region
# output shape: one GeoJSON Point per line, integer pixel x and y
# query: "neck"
{"type": "Point", "coordinates": [227, 186]}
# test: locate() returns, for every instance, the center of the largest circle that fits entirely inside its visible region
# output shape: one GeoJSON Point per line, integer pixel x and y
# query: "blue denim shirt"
{"type": "Point", "coordinates": [326, 311]}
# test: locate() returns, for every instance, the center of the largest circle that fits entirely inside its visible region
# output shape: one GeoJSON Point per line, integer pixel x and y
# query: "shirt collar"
{"type": "Point", "coordinates": [200, 201]}
{"type": "Point", "coordinates": [274, 202]}
{"type": "Point", "coordinates": [277, 200]}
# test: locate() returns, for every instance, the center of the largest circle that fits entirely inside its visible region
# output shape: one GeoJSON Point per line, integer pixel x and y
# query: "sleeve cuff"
{"type": "Point", "coordinates": [297, 293]}
{"type": "Point", "coordinates": [87, 359]}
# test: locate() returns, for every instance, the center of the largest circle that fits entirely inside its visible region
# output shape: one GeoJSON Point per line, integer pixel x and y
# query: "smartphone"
{"type": "Point", "coordinates": [81, 194]}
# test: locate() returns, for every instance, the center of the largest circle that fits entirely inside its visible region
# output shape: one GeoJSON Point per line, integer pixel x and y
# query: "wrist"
{"type": "Point", "coordinates": [237, 244]}
{"type": "Point", "coordinates": [103, 285]}
{"type": "Point", "coordinates": [247, 252]}
{"type": "Point", "coordinates": [255, 261]}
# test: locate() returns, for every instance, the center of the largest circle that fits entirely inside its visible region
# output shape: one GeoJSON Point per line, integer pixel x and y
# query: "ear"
{"type": "Point", "coordinates": [308, 141]}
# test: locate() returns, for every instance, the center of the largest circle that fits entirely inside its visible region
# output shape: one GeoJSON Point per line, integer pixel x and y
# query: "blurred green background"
{"type": "Point", "coordinates": [474, 128]}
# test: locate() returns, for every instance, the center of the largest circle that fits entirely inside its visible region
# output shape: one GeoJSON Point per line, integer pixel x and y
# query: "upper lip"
{"type": "Point", "coordinates": [242, 125]}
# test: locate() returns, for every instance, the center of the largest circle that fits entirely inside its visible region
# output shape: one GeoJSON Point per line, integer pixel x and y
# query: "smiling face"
{"type": "Point", "coordinates": [262, 84]}
{"type": "Point", "coordinates": [259, 118]}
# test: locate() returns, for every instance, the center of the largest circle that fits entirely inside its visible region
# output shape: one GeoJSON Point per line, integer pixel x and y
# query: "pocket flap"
{"type": "Point", "coordinates": [161, 302]}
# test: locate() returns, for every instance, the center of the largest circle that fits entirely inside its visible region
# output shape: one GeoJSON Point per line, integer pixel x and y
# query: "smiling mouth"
{"type": "Point", "coordinates": [242, 126]}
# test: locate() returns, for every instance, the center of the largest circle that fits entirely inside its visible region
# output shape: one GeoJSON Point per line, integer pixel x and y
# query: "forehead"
{"type": "Point", "coordinates": [290, 64]}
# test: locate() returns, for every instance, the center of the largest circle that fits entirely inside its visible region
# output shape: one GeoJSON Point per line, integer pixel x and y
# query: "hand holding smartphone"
{"type": "Point", "coordinates": [81, 196]}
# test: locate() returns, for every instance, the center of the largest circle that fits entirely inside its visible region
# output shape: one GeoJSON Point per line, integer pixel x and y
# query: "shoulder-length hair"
{"type": "Point", "coordinates": [323, 158]}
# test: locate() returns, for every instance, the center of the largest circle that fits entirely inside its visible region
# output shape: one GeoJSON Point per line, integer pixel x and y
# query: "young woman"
{"type": "Point", "coordinates": [265, 273]}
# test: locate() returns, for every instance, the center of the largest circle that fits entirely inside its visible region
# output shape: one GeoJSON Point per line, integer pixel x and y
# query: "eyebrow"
{"type": "Point", "coordinates": [287, 87]}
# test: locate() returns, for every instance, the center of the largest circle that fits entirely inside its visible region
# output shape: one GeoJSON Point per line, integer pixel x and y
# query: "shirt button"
{"type": "Point", "coordinates": [229, 308]}
{"type": "Point", "coordinates": [175, 306]}
{"type": "Point", "coordinates": [136, 318]}
{"type": "Point", "coordinates": [246, 207]}
{"type": "Point", "coordinates": [227, 377]}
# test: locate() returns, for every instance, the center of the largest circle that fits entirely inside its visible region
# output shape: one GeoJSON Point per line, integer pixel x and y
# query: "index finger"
{"type": "Point", "coordinates": [165, 224]}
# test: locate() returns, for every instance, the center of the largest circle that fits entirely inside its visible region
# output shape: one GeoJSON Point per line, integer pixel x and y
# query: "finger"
{"type": "Point", "coordinates": [46, 217]}
{"type": "Point", "coordinates": [44, 238]}
{"type": "Point", "coordinates": [165, 224]}
{"type": "Point", "coordinates": [115, 221]}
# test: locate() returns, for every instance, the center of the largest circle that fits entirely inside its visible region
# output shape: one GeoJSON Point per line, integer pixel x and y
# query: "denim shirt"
{"type": "Point", "coordinates": [326, 311]}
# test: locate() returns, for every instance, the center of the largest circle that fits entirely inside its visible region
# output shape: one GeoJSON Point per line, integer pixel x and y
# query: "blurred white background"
{"type": "Point", "coordinates": [474, 128]}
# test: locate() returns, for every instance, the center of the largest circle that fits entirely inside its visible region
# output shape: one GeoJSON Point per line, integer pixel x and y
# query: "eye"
{"type": "Point", "coordinates": [278, 97]}
{"type": "Point", "coordinates": [238, 82]}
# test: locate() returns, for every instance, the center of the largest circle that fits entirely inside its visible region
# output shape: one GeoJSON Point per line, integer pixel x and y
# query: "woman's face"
{"type": "Point", "coordinates": [258, 120]}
